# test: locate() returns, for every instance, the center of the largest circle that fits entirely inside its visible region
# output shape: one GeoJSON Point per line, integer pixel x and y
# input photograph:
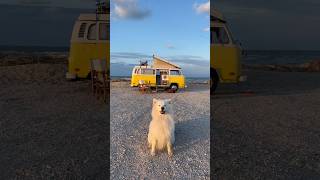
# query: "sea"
{"type": "Point", "coordinates": [32, 49]}
{"type": "Point", "coordinates": [279, 57]}
{"type": "Point", "coordinates": [250, 57]}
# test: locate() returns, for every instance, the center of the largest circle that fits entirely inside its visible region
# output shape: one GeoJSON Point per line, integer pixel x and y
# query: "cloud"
{"type": "Point", "coordinates": [192, 66]}
{"type": "Point", "coordinates": [116, 56]}
{"type": "Point", "coordinates": [202, 8]}
{"type": "Point", "coordinates": [207, 29]}
{"type": "Point", "coordinates": [128, 9]}
{"type": "Point", "coordinates": [170, 46]}
{"type": "Point", "coordinates": [190, 60]}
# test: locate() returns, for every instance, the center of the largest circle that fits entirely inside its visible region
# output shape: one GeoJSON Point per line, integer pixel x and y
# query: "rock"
{"type": "Point", "coordinates": [313, 66]}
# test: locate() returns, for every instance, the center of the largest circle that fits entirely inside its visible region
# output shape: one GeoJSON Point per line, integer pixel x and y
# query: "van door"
{"type": "Point", "coordinates": [226, 54]}
{"type": "Point", "coordinates": [164, 73]}
{"type": "Point", "coordinates": [158, 77]}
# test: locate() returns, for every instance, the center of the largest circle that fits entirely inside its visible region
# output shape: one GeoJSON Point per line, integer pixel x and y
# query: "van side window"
{"type": "Point", "coordinates": [147, 71]}
{"type": "Point", "coordinates": [103, 31]}
{"type": "Point", "coordinates": [174, 72]}
{"type": "Point", "coordinates": [92, 32]}
{"type": "Point", "coordinates": [219, 36]}
{"type": "Point", "coordinates": [82, 30]}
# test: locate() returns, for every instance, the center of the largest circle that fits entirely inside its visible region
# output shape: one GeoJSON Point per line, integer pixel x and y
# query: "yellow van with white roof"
{"type": "Point", "coordinates": [90, 40]}
{"type": "Point", "coordinates": [161, 74]}
{"type": "Point", "coordinates": [225, 53]}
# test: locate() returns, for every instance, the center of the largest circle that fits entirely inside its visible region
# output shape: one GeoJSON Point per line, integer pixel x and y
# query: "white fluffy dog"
{"type": "Point", "coordinates": [161, 129]}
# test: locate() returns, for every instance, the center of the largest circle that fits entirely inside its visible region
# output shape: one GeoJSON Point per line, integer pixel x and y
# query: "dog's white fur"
{"type": "Point", "coordinates": [161, 129]}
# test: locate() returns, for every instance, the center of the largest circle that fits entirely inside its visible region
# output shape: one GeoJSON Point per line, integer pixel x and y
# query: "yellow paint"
{"type": "Point", "coordinates": [180, 80]}
{"type": "Point", "coordinates": [151, 79]}
{"type": "Point", "coordinates": [82, 52]}
{"type": "Point", "coordinates": [225, 59]}
{"type": "Point", "coordinates": [88, 43]}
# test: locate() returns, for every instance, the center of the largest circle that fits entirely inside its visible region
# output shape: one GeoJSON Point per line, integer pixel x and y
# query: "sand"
{"type": "Point", "coordinates": [53, 128]}
{"type": "Point", "coordinates": [50, 128]}
{"type": "Point", "coordinates": [130, 117]}
{"type": "Point", "coordinates": [271, 134]}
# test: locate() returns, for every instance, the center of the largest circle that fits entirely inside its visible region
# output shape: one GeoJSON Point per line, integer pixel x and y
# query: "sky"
{"type": "Point", "coordinates": [40, 22]}
{"type": "Point", "coordinates": [175, 30]}
{"type": "Point", "coordinates": [273, 24]}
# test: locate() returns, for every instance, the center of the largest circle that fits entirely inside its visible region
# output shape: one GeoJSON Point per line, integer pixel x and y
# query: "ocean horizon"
{"type": "Point", "coordinates": [251, 56]}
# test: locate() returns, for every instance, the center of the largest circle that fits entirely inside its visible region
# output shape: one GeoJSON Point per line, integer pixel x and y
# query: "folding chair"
{"type": "Point", "coordinates": [99, 78]}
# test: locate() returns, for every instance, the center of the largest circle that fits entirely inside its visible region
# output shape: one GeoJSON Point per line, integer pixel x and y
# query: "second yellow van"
{"type": "Point", "coordinates": [90, 40]}
{"type": "Point", "coordinates": [162, 74]}
{"type": "Point", "coordinates": [225, 53]}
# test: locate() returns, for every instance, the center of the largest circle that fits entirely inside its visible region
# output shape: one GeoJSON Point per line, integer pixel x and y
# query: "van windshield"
{"type": "Point", "coordinates": [219, 35]}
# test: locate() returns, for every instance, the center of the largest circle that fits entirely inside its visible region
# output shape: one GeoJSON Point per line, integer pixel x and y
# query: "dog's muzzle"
{"type": "Point", "coordinates": [162, 110]}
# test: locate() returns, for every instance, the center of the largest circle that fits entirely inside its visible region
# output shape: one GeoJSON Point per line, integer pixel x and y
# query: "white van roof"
{"type": "Point", "coordinates": [93, 17]}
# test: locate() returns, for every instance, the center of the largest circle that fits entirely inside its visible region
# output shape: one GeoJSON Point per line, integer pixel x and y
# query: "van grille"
{"type": "Point", "coordinates": [82, 30]}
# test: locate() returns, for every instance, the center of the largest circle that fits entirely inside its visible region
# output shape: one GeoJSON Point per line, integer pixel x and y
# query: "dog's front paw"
{"type": "Point", "coordinates": [170, 154]}
{"type": "Point", "coordinates": [153, 153]}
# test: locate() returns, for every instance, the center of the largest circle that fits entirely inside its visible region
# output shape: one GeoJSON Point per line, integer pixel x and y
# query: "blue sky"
{"type": "Point", "coordinates": [176, 30]}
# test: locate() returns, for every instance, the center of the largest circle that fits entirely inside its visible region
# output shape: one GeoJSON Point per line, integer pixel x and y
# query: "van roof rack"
{"type": "Point", "coordinates": [143, 63]}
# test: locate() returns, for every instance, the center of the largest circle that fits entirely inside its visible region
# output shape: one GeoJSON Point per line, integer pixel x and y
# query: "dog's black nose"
{"type": "Point", "coordinates": [162, 108]}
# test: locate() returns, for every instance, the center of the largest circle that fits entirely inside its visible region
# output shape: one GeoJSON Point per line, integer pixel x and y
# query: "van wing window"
{"type": "Point", "coordinates": [82, 30]}
{"type": "Point", "coordinates": [92, 32]}
{"type": "Point", "coordinates": [104, 31]}
{"type": "Point", "coordinates": [219, 35]}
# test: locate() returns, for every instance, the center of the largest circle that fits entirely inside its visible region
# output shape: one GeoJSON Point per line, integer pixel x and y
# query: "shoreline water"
{"type": "Point", "coordinates": [288, 61]}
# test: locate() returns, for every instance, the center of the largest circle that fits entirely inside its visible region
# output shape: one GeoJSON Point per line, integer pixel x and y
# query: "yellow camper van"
{"type": "Point", "coordinates": [90, 40]}
{"type": "Point", "coordinates": [161, 74]}
{"type": "Point", "coordinates": [225, 53]}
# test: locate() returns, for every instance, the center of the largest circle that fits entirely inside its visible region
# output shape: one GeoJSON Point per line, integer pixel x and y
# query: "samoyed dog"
{"type": "Point", "coordinates": [161, 129]}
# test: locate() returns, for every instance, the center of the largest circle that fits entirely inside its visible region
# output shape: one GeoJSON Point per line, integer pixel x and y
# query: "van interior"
{"type": "Point", "coordinates": [162, 76]}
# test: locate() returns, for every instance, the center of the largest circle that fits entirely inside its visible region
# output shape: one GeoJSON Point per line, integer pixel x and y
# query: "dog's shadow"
{"type": "Point", "coordinates": [191, 132]}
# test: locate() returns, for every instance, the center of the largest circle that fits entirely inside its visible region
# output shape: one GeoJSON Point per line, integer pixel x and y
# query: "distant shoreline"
{"type": "Point", "coordinates": [33, 49]}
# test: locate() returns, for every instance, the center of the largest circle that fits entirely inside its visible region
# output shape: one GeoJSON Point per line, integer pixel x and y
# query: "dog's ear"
{"type": "Point", "coordinates": [154, 100]}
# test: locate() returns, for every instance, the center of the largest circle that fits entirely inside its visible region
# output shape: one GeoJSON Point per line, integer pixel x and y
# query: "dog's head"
{"type": "Point", "coordinates": [162, 105]}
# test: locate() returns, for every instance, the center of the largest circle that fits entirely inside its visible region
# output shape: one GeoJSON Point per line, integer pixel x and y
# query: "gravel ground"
{"type": "Point", "coordinates": [50, 128]}
{"type": "Point", "coordinates": [130, 118]}
{"type": "Point", "coordinates": [271, 134]}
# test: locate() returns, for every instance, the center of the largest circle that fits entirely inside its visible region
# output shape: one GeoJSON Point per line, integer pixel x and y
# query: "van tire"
{"type": "Point", "coordinates": [173, 88]}
{"type": "Point", "coordinates": [214, 80]}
